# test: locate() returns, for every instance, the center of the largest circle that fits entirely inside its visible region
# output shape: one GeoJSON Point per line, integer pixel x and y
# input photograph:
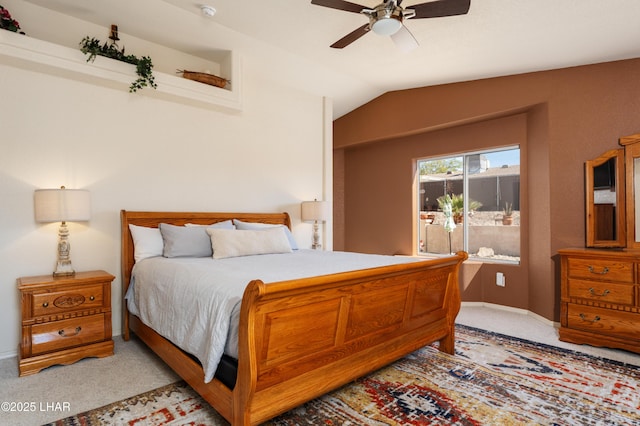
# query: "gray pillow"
{"type": "Point", "coordinates": [183, 241]}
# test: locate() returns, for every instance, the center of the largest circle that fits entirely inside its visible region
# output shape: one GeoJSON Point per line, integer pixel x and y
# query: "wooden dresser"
{"type": "Point", "coordinates": [64, 319]}
{"type": "Point", "coordinates": [600, 298]}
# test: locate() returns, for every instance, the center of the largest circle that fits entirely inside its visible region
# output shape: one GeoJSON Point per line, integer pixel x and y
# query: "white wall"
{"type": "Point", "coordinates": [136, 152]}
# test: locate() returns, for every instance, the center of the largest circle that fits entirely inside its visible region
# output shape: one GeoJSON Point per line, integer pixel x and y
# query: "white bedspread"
{"type": "Point", "coordinates": [195, 302]}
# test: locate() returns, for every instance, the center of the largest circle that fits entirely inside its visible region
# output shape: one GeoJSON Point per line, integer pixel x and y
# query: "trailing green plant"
{"type": "Point", "coordinates": [144, 67]}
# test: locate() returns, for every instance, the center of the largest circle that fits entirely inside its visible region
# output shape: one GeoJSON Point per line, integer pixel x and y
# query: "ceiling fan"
{"type": "Point", "coordinates": [388, 17]}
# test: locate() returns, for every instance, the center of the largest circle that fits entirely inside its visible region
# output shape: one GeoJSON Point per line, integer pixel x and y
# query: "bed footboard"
{"type": "Point", "coordinates": [301, 339]}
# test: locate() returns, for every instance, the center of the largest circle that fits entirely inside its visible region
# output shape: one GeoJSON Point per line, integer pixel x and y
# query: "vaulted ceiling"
{"type": "Point", "coordinates": [496, 38]}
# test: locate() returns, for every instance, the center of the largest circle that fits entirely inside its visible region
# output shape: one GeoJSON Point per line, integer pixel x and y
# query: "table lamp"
{"type": "Point", "coordinates": [62, 205]}
{"type": "Point", "coordinates": [315, 211]}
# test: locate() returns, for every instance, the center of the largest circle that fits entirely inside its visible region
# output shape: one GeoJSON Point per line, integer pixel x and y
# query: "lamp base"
{"type": "Point", "coordinates": [316, 237]}
{"type": "Point", "coordinates": [63, 267]}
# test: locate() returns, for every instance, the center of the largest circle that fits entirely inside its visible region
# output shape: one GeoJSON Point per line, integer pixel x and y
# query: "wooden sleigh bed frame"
{"type": "Point", "coordinates": [301, 339]}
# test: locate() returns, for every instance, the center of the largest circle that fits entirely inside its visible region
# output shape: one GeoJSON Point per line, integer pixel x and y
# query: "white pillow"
{"type": "Point", "coordinates": [257, 226]}
{"type": "Point", "coordinates": [233, 243]}
{"type": "Point", "coordinates": [147, 242]}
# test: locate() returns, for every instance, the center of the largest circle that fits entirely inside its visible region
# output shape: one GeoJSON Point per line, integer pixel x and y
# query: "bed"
{"type": "Point", "coordinates": [299, 339]}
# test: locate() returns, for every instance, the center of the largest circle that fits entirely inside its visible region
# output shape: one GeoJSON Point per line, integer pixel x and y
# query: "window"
{"type": "Point", "coordinates": [483, 190]}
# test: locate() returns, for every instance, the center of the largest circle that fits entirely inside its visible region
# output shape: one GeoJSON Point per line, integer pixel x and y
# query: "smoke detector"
{"type": "Point", "coordinates": [208, 11]}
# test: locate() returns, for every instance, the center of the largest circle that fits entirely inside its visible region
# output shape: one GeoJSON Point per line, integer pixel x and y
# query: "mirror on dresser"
{"type": "Point", "coordinates": [605, 200]}
{"type": "Point", "coordinates": [632, 165]}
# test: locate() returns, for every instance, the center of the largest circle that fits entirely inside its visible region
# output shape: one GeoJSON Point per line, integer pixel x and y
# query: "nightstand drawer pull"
{"type": "Point", "coordinates": [63, 334]}
{"type": "Point", "coordinates": [584, 318]}
{"type": "Point", "coordinates": [92, 298]}
{"type": "Point", "coordinates": [593, 292]}
{"type": "Point", "coordinates": [593, 271]}
{"type": "Point", "coordinates": [45, 304]}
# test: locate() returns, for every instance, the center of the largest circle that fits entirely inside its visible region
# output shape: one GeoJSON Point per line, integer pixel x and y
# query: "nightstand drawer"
{"type": "Point", "coordinates": [601, 269]}
{"type": "Point", "coordinates": [602, 292]}
{"type": "Point", "coordinates": [604, 321]}
{"type": "Point", "coordinates": [78, 298]}
{"type": "Point", "coordinates": [63, 334]}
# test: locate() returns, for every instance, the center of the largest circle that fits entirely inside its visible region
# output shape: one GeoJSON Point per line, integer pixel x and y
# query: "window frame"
{"type": "Point", "coordinates": [465, 191]}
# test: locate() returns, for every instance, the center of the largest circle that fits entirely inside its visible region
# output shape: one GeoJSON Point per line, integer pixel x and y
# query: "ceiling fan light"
{"type": "Point", "coordinates": [386, 26]}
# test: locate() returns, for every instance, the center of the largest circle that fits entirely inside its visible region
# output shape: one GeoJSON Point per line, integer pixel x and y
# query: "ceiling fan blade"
{"type": "Point", "coordinates": [404, 39]}
{"type": "Point", "coordinates": [340, 5]}
{"type": "Point", "coordinates": [351, 37]}
{"type": "Point", "coordinates": [440, 8]}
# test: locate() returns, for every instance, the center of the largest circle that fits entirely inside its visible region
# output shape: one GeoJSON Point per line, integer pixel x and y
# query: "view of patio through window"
{"type": "Point", "coordinates": [481, 190]}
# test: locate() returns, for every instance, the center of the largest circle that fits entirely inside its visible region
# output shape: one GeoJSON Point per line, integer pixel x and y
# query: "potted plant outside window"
{"type": "Point", "coordinates": [507, 214]}
{"type": "Point", "coordinates": [457, 206]}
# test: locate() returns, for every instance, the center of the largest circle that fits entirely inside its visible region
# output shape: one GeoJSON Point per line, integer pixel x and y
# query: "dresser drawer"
{"type": "Point", "coordinates": [56, 335]}
{"type": "Point", "coordinates": [84, 297]}
{"type": "Point", "coordinates": [600, 269]}
{"type": "Point", "coordinates": [603, 321]}
{"type": "Point", "coordinates": [603, 292]}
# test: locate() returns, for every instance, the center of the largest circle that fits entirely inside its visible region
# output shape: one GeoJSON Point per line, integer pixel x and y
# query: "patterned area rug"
{"type": "Point", "coordinates": [492, 380]}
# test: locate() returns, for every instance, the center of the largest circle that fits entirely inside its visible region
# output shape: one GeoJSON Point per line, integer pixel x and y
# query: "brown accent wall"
{"type": "Point", "coordinates": [560, 118]}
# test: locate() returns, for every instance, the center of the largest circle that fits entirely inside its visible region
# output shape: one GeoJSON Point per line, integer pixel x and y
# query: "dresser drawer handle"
{"type": "Point", "coordinates": [92, 298]}
{"type": "Point", "coordinates": [594, 320]}
{"type": "Point", "coordinates": [63, 334]}
{"type": "Point", "coordinates": [45, 304]}
{"type": "Point", "coordinates": [593, 293]}
{"type": "Point", "coordinates": [593, 271]}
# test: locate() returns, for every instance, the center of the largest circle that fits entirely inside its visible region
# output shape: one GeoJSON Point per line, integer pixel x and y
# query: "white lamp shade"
{"type": "Point", "coordinates": [62, 205]}
{"type": "Point", "coordinates": [315, 210]}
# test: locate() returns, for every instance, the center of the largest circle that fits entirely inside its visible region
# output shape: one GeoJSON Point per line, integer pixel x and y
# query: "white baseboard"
{"type": "Point", "coordinates": [514, 310]}
{"type": "Point", "coordinates": [8, 354]}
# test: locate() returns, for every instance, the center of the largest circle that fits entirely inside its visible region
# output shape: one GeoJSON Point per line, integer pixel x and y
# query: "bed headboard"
{"type": "Point", "coordinates": [153, 219]}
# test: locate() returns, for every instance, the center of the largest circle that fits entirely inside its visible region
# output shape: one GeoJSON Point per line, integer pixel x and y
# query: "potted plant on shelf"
{"type": "Point", "coordinates": [7, 22]}
{"type": "Point", "coordinates": [507, 214]}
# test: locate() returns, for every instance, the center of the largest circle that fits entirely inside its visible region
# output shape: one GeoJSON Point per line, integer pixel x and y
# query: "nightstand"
{"type": "Point", "coordinates": [64, 319]}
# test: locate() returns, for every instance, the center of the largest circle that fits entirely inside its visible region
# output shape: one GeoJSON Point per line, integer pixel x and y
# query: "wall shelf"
{"type": "Point", "coordinates": [42, 56]}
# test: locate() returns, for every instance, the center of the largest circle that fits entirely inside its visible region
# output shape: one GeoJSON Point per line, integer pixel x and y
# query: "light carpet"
{"type": "Point", "coordinates": [492, 380]}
